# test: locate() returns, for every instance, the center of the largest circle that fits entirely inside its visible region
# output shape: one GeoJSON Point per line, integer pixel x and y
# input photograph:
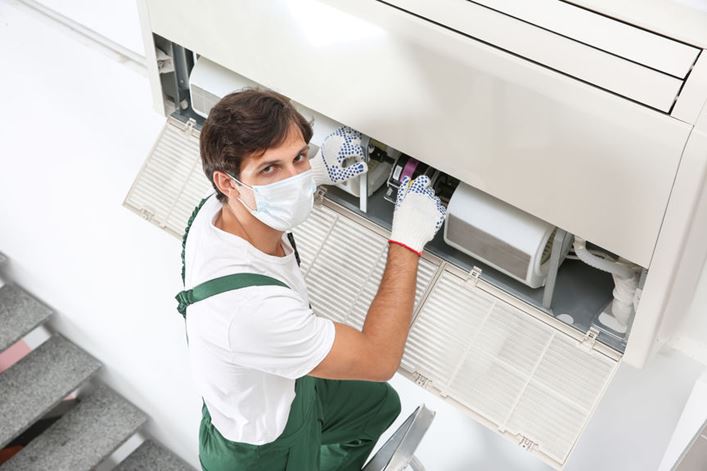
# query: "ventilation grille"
{"type": "Point", "coordinates": [171, 182]}
{"type": "Point", "coordinates": [520, 374]}
{"type": "Point", "coordinates": [202, 101]}
{"type": "Point", "coordinates": [343, 263]}
{"type": "Point", "coordinates": [311, 234]}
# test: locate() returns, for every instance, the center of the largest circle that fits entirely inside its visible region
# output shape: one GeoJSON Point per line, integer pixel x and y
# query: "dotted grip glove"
{"type": "Point", "coordinates": [418, 215]}
{"type": "Point", "coordinates": [338, 149]}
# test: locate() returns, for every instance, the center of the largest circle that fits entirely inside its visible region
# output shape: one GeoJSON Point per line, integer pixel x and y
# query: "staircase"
{"type": "Point", "coordinates": [84, 431]}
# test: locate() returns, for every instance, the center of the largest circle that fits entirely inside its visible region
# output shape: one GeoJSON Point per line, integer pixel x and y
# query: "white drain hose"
{"type": "Point", "coordinates": [624, 290]}
{"type": "Point", "coordinates": [625, 279]}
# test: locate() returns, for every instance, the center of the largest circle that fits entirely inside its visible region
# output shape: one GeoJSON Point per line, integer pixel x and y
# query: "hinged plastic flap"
{"type": "Point", "coordinates": [171, 181]}
{"type": "Point", "coordinates": [649, 69]}
{"type": "Point", "coordinates": [532, 381]}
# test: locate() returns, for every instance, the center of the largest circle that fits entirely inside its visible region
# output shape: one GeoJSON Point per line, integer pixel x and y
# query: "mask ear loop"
{"type": "Point", "coordinates": [240, 183]}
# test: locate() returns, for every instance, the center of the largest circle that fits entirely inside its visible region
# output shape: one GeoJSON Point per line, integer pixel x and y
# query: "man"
{"type": "Point", "coordinates": [282, 387]}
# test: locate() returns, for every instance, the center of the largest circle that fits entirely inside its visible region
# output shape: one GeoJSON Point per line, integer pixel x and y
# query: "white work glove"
{"type": "Point", "coordinates": [418, 215]}
{"type": "Point", "coordinates": [341, 145]}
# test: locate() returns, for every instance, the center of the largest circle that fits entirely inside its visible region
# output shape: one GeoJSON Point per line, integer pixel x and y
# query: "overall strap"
{"type": "Point", "coordinates": [186, 231]}
{"type": "Point", "coordinates": [291, 238]}
{"type": "Point", "coordinates": [224, 283]}
{"type": "Point", "coordinates": [221, 285]}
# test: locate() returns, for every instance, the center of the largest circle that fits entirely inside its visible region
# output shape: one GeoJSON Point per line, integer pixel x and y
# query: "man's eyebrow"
{"type": "Point", "coordinates": [271, 162]}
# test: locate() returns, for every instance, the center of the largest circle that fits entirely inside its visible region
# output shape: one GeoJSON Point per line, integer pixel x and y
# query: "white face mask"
{"type": "Point", "coordinates": [284, 204]}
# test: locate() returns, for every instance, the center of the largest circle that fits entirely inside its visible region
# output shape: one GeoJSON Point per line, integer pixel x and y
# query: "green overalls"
{"type": "Point", "coordinates": [332, 424]}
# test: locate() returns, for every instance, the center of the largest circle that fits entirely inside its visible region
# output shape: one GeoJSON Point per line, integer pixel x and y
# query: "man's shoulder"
{"type": "Point", "coordinates": [254, 290]}
{"type": "Point", "coordinates": [207, 208]}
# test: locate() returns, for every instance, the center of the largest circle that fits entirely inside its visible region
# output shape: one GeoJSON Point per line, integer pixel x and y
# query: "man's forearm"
{"type": "Point", "coordinates": [388, 320]}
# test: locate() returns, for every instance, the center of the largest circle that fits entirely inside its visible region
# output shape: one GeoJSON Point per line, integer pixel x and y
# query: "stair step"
{"type": "Point", "coordinates": [39, 381]}
{"type": "Point", "coordinates": [152, 456]}
{"type": "Point", "coordinates": [90, 432]}
{"type": "Point", "coordinates": [20, 313]}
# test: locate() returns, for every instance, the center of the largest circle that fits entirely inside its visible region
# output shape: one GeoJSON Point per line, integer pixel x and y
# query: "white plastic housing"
{"type": "Point", "coordinates": [583, 121]}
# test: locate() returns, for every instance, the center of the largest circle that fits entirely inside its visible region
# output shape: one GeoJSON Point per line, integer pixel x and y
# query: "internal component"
{"type": "Point", "coordinates": [502, 236]}
{"type": "Point", "coordinates": [406, 166]}
{"type": "Point", "coordinates": [378, 158]}
{"type": "Point", "coordinates": [444, 187]}
{"type": "Point", "coordinates": [626, 293]}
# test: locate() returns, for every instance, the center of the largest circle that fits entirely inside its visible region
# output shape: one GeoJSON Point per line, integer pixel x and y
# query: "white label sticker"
{"type": "Point", "coordinates": [396, 172]}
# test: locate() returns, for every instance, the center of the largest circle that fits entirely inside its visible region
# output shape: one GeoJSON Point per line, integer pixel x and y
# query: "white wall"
{"type": "Point", "coordinates": [75, 129]}
{"type": "Point", "coordinates": [116, 20]}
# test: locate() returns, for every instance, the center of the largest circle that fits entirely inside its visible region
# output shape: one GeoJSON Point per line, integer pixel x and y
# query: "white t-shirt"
{"type": "Point", "coordinates": [247, 346]}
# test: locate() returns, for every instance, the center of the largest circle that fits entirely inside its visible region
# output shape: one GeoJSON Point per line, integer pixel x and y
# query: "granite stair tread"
{"type": "Point", "coordinates": [151, 456]}
{"type": "Point", "coordinates": [20, 313]}
{"type": "Point", "coordinates": [101, 422]}
{"type": "Point", "coordinates": [90, 432]}
{"type": "Point", "coordinates": [39, 381]}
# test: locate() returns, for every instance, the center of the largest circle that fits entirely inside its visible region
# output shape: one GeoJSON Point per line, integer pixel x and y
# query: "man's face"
{"type": "Point", "coordinates": [277, 163]}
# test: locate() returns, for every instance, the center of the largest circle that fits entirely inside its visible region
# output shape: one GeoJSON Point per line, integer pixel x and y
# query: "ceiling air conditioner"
{"type": "Point", "coordinates": [579, 124]}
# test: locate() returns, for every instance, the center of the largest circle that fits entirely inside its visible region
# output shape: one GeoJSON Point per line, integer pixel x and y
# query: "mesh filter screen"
{"type": "Point", "coordinates": [171, 182]}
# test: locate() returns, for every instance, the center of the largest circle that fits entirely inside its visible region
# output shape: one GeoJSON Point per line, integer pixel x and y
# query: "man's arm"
{"type": "Point", "coordinates": [375, 353]}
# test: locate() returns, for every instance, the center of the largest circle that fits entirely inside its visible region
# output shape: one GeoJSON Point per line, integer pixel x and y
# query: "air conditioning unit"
{"type": "Point", "coordinates": [569, 120]}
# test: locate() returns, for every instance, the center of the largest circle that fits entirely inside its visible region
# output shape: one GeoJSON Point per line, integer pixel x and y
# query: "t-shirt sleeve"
{"type": "Point", "coordinates": [276, 332]}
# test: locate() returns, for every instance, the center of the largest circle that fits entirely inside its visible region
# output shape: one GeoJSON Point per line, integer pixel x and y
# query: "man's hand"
{"type": "Point", "coordinates": [419, 214]}
{"type": "Point", "coordinates": [339, 147]}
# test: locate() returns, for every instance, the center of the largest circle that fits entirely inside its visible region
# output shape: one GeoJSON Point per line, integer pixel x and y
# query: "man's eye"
{"type": "Point", "coordinates": [301, 157]}
{"type": "Point", "coordinates": [267, 170]}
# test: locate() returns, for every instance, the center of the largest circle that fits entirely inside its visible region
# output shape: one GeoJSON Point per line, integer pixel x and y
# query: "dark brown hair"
{"type": "Point", "coordinates": [244, 124]}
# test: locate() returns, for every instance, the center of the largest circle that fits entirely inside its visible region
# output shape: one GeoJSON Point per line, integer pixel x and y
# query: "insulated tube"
{"type": "Point", "coordinates": [625, 280]}
{"type": "Point", "coordinates": [618, 269]}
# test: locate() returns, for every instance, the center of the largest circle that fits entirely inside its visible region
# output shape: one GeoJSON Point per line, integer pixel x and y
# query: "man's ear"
{"type": "Point", "coordinates": [225, 184]}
